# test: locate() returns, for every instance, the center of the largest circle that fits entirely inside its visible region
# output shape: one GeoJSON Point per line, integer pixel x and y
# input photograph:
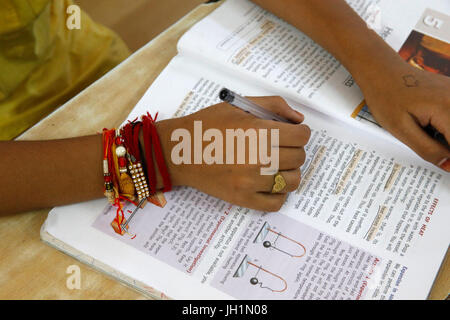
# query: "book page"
{"type": "Point", "coordinates": [259, 46]}
{"type": "Point", "coordinates": [353, 230]}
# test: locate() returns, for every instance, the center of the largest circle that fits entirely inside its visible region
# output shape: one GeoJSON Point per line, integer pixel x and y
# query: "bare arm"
{"type": "Point", "coordinates": [337, 28]}
{"type": "Point", "coordinates": [43, 174]}
{"type": "Point", "coordinates": [379, 71]}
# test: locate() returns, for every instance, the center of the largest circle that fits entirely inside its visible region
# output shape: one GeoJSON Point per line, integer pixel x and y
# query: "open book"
{"type": "Point", "coordinates": [369, 220]}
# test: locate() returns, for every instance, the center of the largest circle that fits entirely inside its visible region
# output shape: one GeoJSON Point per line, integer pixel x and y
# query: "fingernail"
{"type": "Point", "coordinates": [302, 117]}
{"type": "Point", "coordinates": [445, 164]}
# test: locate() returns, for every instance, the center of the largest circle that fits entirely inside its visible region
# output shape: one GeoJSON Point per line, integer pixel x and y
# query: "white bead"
{"type": "Point", "coordinates": [139, 164]}
{"type": "Point", "coordinates": [121, 151]}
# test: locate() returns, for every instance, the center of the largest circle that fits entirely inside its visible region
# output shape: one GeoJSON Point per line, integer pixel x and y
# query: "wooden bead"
{"type": "Point", "coordinates": [110, 195]}
{"type": "Point", "coordinates": [126, 184]}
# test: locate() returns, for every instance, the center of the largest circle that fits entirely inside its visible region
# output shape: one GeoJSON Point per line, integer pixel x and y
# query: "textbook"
{"type": "Point", "coordinates": [369, 219]}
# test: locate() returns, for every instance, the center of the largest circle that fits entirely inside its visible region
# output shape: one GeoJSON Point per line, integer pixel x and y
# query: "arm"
{"type": "Point", "coordinates": [400, 105]}
{"type": "Point", "coordinates": [43, 174]}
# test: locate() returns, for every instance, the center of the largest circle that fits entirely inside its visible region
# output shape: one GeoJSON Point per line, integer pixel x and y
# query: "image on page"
{"type": "Point", "coordinates": [246, 254]}
{"type": "Point", "coordinates": [276, 257]}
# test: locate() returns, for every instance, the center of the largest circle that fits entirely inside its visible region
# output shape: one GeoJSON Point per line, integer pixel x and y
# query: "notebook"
{"type": "Point", "coordinates": [369, 219]}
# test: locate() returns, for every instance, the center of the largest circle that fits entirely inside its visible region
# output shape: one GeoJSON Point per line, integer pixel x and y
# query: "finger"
{"type": "Point", "coordinates": [426, 147]}
{"type": "Point", "coordinates": [279, 106]}
{"type": "Point", "coordinates": [291, 158]}
{"type": "Point", "coordinates": [441, 122]}
{"type": "Point", "coordinates": [268, 202]}
{"type": "Point", "coordinates": [289, 135]}
{"type": "Point", "coordinates": [291, 177]}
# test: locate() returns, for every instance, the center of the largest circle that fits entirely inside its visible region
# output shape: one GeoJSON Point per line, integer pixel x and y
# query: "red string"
{"type": "Point", "coordinates": [127, 135]}
{"type": "Point", "coordinates": [151, 130]}
{"type": "Point", "coordinates": [112, 169]}
{"type": "Point", "coordinates": [108, 140]}
{"type": "Point", "coordinates": [130, 135]}
{"type": "Point", "coordinates": [119, 210]}
{"type": "Point", "coordinates": [136, 149]}
{"type": "Point", "coordinates": [149, 155]}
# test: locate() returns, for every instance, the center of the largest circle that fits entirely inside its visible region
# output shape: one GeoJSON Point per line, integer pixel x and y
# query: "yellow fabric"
{"type": "Point", "coordinates": [43, 63]}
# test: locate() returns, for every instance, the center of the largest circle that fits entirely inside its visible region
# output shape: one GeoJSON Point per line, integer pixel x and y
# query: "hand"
{"type": "Point", "coordinates": [404, 100]}
{"type": "Point", "coordinates": [240, 184]}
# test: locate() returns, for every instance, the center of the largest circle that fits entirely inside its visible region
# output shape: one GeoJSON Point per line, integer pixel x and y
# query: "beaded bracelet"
{"type": "Point", "coordinates": [126, 177]}
{"type": "Point", "coordinates": [131, 137]}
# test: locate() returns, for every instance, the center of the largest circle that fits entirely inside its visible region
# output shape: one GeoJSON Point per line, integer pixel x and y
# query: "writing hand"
{"type": "Point", "coordinates": [240, 184]}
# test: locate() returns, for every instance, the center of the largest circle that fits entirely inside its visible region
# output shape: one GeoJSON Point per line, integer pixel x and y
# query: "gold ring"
{"type": "Point", "coordinates": [279, 183]}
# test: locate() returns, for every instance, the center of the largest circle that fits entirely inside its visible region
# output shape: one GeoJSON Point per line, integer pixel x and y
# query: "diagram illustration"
{"type": "Point", "coordinates": [275, 240]}
{"type": "Point", "coordinates": [272, 281]}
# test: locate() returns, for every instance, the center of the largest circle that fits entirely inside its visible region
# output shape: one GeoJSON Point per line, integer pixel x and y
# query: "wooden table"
{"type": "Point", "coordinates": [30, 269]}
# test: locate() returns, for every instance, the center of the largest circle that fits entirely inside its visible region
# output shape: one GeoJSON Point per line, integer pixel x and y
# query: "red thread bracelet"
{"type": "Point", "coordinates": [150, 131]}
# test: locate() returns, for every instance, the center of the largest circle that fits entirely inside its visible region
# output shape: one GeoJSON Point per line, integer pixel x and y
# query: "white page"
{"type": "Point", "coordinates": [422, 260]}
{"type": "Point", "coordinates": [242, 38]}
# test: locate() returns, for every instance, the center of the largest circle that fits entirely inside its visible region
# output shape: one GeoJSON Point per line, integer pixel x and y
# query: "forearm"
{"type": "Point", "coordinates": [41, 174]}
{"type": "Point", "coordinates": [44, 174]}
{"type": "Point", "coordinates": [402, 98]}
{"type": "Point", "coordinates": [338, 28]}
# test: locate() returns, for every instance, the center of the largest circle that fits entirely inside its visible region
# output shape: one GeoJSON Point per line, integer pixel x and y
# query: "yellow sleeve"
{"type": "Point", "coordinates": [43, 63]}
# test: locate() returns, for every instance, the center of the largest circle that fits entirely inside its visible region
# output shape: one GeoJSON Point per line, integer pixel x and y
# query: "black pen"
{"type": "Point", "coordinates": [432, 132]}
